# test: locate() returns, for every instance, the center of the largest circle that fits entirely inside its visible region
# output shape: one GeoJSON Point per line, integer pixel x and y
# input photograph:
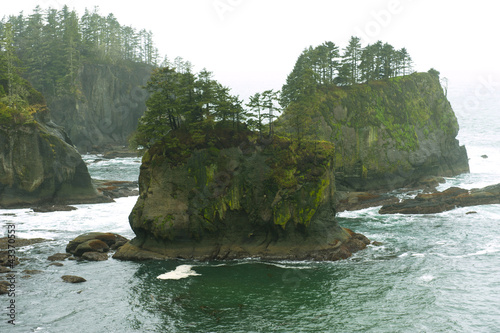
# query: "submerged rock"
{"type": "Point", "coordinates": [53, 208]}
{"type": "Point", "coordinates": [21, 242]}
{"type": "Point", "coordinates": [59, 257]}
{"type": "Point", "coordinates": [449, 199]}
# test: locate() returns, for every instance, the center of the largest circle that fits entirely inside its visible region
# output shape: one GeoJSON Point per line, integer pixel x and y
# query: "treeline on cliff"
{"type": "Point", "coordinates": [324, 65]}
{"type": "Point", "coordinates": [53, 44]}
{"type": "Point", "coordinates": [181, 99]}
{"type": "Point", "coordinates": [195, 102]}
{"type": "Point", "coordinates": [19, 101]}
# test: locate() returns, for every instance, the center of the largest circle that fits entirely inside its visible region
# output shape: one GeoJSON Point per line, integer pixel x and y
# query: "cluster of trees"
{"type": "Point", "coordinates": [18, 100]}
{"type": "Point", "coordinates": [181, 99]}
{"type": "Point", "coordinates": [52, 44]}
{"type": "Point", "coordinates": [325, 65]}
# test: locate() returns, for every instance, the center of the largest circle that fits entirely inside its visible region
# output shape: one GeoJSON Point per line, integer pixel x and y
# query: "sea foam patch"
{"type": "Point", "coordinates": [180, 272]}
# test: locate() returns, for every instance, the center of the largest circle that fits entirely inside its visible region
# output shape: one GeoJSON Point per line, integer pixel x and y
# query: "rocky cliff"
{"type": "Point", "coordinates": [238, 197]}
{"type": "Point", "coordinates": [38, 165]}
{"type": "Point", "coordinates": [105, 108]}
{"type": "Point", "coordinates": [388, 133]}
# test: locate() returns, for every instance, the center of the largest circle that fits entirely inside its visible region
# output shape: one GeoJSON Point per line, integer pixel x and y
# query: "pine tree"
{"type": "Point", "coordinates": [351, 61]}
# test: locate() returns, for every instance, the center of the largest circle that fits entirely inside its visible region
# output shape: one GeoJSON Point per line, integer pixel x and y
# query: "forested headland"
{"type": "Point", "coordinates": [51, 45]}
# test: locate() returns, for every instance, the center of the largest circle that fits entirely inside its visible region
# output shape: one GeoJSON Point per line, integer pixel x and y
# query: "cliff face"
{"type": "Point", "coordinates": [106, 107]}
{"type": "Point", "coordinates": [250, 199]}
{"type": "Point", "coordinates": [389, 133]}
{"type": "Point", "coordinates": [39, 166]}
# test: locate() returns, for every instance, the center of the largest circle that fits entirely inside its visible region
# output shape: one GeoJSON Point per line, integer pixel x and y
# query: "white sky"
{"type": "Point", "coordinates": [252, 45]}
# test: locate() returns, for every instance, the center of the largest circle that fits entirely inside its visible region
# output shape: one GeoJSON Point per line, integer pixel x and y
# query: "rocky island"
{"type": "Point", "coordinates": [216, 192]}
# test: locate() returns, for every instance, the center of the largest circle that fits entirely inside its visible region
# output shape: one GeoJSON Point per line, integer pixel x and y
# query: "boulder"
{"type": "Point", "coordinates": [110, 239]}
{"type": "Point", "coordinates": [93, 245]}
{"type": "Point", "coordinates": [72, 279]}
{"type": "Point", "coordinates": [95, 256]}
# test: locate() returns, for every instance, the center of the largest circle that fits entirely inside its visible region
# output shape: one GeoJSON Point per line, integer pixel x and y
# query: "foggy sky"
{"type": "Point", "coordinates": [252, 45]}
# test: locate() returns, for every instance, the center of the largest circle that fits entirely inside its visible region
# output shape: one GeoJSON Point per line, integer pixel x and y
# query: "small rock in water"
{"type": "Point", "coordinates": [56, 264]}
{"type": "Point", "coordinates": [32, 271]}
{"type": "Point", "coordinates": [72, 279]}
{"type": "Point", "coordinates": [4, 269]}
{"type": "Point", "coordinates": [59, 256]}
{"type": "Point", "coordinates": [53, 208]}
{"type": "Point", "coordinates": [4, 287]}
{"type": "Point", "coordinates": [472, 212]}
{"type": "Point", "coordinates": [484, 156]}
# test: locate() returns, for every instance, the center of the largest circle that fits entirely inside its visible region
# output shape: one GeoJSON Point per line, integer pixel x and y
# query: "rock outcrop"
{"type": "Point", "coordinates": [105, 109]}
{"type": "Point", "coordinates": [93, 246]}
{"type": "Point", "coordinates": [242, 197]}
{"type": "Point", "coordinates": [454, 197]}
{"type": "Point", "coordinates": [39, 165]}
{"type": "Point", "coordinates": [388, 133]}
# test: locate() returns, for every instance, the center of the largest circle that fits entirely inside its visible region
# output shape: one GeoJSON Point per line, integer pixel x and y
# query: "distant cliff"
{"type": "Point", "coordinates": [105, 108]}
{"type": "Point", "coordinates": [237, 197]}
{"type": "Point", "coordinates": [387, 133]}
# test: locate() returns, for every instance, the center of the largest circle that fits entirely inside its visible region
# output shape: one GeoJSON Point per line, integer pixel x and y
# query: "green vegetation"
{"type": "Point", "coordinates": [18, 100]}
{"type": "Point", "coordinates": [52, 45]}
{"type": "Point", "coordinates": [233, 170]}
{"type": "Point", "coordinates": [324, 66]}
{"type": "Point", "coordinates": [183, 101]}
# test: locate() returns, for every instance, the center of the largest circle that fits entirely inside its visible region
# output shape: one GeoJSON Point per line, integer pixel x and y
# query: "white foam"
{"type": "Point", "coordinates": [180, 272]}
{"type": "Point", "coordinates": [427, 278]}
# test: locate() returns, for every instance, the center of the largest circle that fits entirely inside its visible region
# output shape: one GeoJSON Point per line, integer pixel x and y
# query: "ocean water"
{"type": "Point", "coordinates": [433, 273]}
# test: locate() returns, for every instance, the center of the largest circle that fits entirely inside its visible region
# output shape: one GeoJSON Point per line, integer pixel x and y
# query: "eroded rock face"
{"type": "Point", "coordinates": [38, 165]}
{"type": "Point", "coordinates": [260, 198]}
{"type": "Point", "coordinates": [106, 110]}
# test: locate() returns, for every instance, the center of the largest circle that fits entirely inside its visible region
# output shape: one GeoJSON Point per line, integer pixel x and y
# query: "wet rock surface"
{"type": "Point", "coordinates": [454, 197]}
{"type": "Point", "coordinates": [94, 246]}
{"type": "Point", "coordinates": [72, 279]}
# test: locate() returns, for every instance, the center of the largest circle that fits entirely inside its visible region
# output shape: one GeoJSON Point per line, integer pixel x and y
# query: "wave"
{"type": "Point", "coordinates": [180, 272]}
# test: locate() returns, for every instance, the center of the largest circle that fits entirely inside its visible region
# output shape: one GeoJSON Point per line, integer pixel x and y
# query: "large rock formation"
{"type": "Point", "coordinates": [105, 108]}
{"type": "Point", "coordinates": [233, 195]}
{"type": "Point", "coordinates": [38, 165]}
{"type": "Point", "coordinates": [242, 197]}
{"type": "Point", "coordinates": [388, 133]}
